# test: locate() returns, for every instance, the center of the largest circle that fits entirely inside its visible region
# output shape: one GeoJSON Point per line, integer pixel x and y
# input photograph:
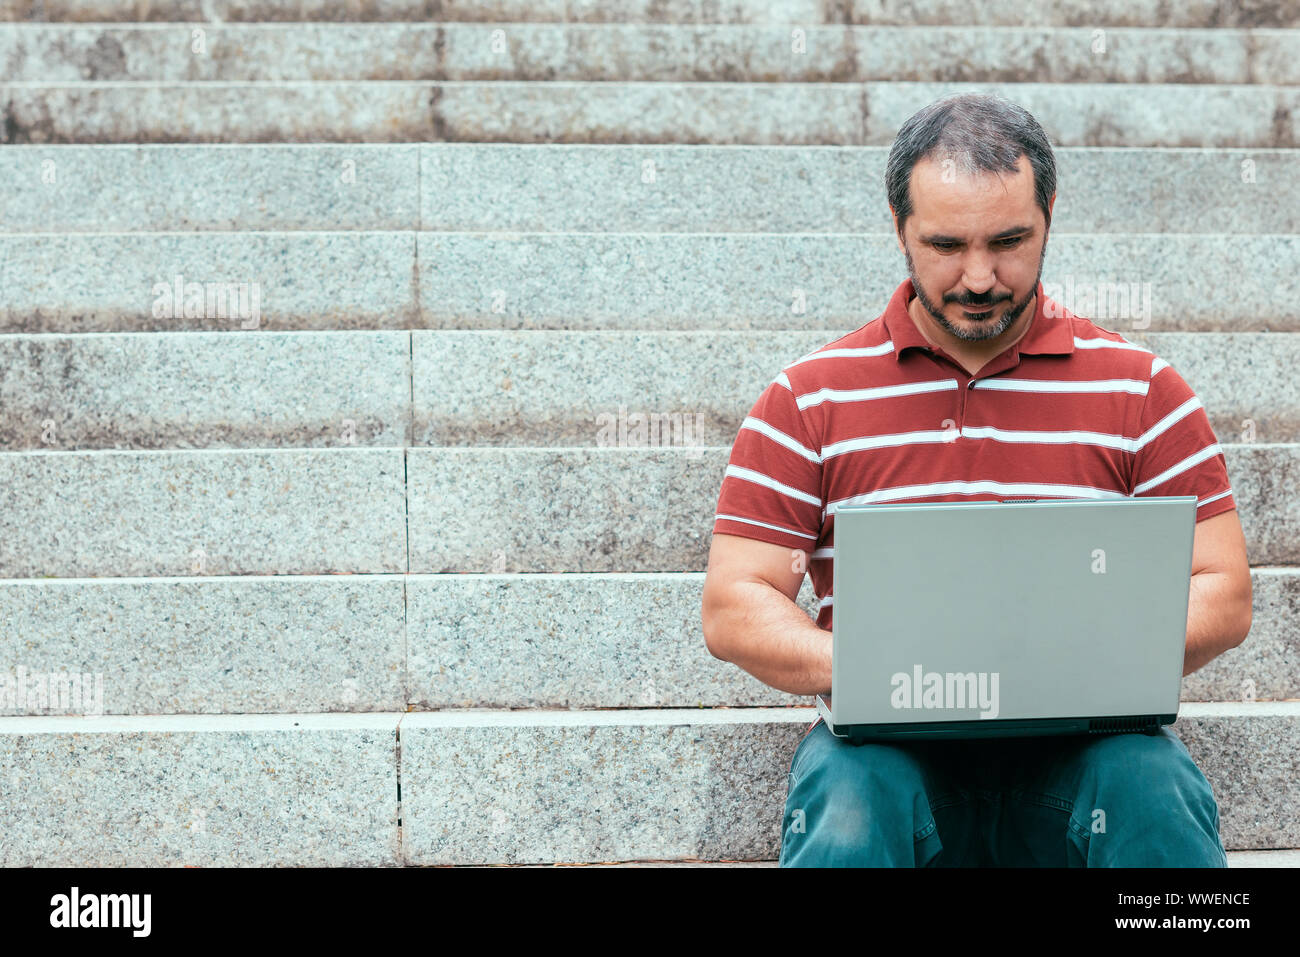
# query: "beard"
{"type": "Point", "coordinates": [984, 328]}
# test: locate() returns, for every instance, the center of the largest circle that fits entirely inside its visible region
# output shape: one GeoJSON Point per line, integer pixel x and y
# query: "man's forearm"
{"type": "Point", "coordinates": [772, 638]}
{"type": "Point", "coordinates": [1214, 619]}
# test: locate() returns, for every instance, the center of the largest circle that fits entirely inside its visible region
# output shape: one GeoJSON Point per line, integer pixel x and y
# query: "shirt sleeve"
{"type": "Point", "coordinates": [1178, 452]}
{"type": "Point", "coordinates": [772, 488]}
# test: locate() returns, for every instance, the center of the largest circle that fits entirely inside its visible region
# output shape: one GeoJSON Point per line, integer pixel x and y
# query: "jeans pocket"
{"type": "Point", "coordinates": [793, 774]}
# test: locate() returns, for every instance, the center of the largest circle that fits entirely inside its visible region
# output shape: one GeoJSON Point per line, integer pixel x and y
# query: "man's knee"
{"type": "Point", "coordinates": [855, 802]}
{"type": "Point", "coordinates": [1144, 797]}
{"type": "Point", "coordinates": [853, 771]}
{"type": "Point", "coordinates": [1148, 769]}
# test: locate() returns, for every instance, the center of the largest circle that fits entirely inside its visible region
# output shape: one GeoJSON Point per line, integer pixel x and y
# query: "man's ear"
{"type": "Point", "coordinates": [897, 234]}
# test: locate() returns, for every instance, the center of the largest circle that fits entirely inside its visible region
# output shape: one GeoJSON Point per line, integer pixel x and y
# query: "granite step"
{"type": "Point", "coordinates": [348, 510]}
{"type": "Point", "coordinates": [229, 790]}
{"type": "Point", "coordinates": [625, 640]}
{"type": "Point", "coordinates": [829, 189]}
{"type": "Point", "coordinates": [1135, 13]}
{"type": "Point", "coordinates": [180, 390]}
{"type": "Point", "coordinates": [204, 645]}
{"type": "Point", "coordinates": [139, 188]}
{"type": "Point", "coordinates": [569, 388]}
{"type": "Point", "coordinates": [775, 113]}
{"type": "Point", "coordinates": [313, 789]}
{"type": "Point", "coordinates": [362, 643]}
{"type": "Point", "coordinates": [572, 510]}
{"type": "Point", "coordinates": [202, 511]}
{"type": "Point", "coordinates": [129, 282]}
{"type": "Point", "coordinates": [183, 53]}
{"type": "Point", "coordinates": [469, 187]}
{"type": "Point", "coordinates": [710, 784]}
{"type": "Point", "coordinates": [205, 390]}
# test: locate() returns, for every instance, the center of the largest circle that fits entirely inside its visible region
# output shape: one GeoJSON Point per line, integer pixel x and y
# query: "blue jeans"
{"type": "Point", "coordinates": [1123, 800]}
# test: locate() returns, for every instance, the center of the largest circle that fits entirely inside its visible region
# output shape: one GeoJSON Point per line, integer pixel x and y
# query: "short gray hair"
{"type": "Point", "coordinates": [981, 133]}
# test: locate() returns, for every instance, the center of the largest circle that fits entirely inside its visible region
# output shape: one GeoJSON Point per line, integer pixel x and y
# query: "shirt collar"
{"type": "Point", "coordinates": [1050, 331]}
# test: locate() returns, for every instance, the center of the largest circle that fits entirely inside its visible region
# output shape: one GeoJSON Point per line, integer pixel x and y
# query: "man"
{"type": "Point", "coordinates": [972, 385]}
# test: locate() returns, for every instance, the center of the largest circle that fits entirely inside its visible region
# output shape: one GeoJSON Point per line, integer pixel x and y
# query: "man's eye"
{"type": "Point", "coordinates": [1010, 243]}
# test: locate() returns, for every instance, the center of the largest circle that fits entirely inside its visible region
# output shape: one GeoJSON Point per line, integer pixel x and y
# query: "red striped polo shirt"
{"type": "Point", "coordinates": [1070, 411]}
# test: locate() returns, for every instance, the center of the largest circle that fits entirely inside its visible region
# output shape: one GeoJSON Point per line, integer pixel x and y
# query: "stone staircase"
{"type": "Point", "coordinates": [318, 319]}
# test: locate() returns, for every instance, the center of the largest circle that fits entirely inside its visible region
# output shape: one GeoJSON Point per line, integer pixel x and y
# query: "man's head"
{"type": "Point", "coordinates": [971, 181]}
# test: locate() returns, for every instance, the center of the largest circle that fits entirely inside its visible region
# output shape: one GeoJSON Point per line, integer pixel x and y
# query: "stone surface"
{"type": "Point", "coordinates": [484, 787]}
{"type": "Point", "coordinates": [1264, 858]}
{"type": "Point", "coordinates": [340, 643]}
{"type": "Point", "coordinates": [556, 388]}
{"type": "Point", "coordinates": [829, 189]}
{"type": "Point", "coordinates": [570, 641]}
{"type": "Point", "coordinates": [117, 282]}
{"type": "Point", "coordinates": [643, 52]}
{"type": "Point", "coordinates": [1082, 13]}
{"type": "Point", "coordinates": [599, 188]}
{"type": "Point", "coordinates": [272, 512]}
{"type": "Point", "coordinates": [561, 510]}
{"type": "Point", "coordinates": [1263, 666]}
{"type": "Point", "coordinates": [575, 388]}
{"type": "Point", "coordinates": [204, 390]}
{"type": "Point", "coordinates": [218, 645]}
{"type": "Point", "coordinates": [180, 187]}
{"type": "Point", "coordinates": [636, 641]}
{"type": "Point", "coordinates": [767, 113]}
{"type": "Point", "coordinates": [1113, 114]}
{"type": "Point", "coordinates": [1251, 755]}
{"type": "Point", "coordinates": [651, 509]}
{"type": "Point", "coordinates": [565, 388]}
{"type": "Point", "coordinates": [1242, 380]}
{"type": "Point", "coordinates": [549, 786]}
{"type": "Point", "coordinates": [532, 787]}
{"type": "Point", "coordinates": [833, 283]}
{"type": "Point", "coordinates": [224, 791]}
{"type": "Point", "coordinates": [1266, 487]}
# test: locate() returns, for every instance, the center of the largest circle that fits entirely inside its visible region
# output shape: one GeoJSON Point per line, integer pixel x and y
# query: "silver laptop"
{"type": "Point", "coordinates": [1023, 617]}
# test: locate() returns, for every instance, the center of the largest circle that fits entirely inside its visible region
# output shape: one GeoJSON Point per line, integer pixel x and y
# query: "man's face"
{"type": "Point", "coordinates": [974, 246]}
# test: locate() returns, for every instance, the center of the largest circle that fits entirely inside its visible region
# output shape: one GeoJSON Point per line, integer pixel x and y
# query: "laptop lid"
{"type": "Point", "coordinates": [1008, 611]}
